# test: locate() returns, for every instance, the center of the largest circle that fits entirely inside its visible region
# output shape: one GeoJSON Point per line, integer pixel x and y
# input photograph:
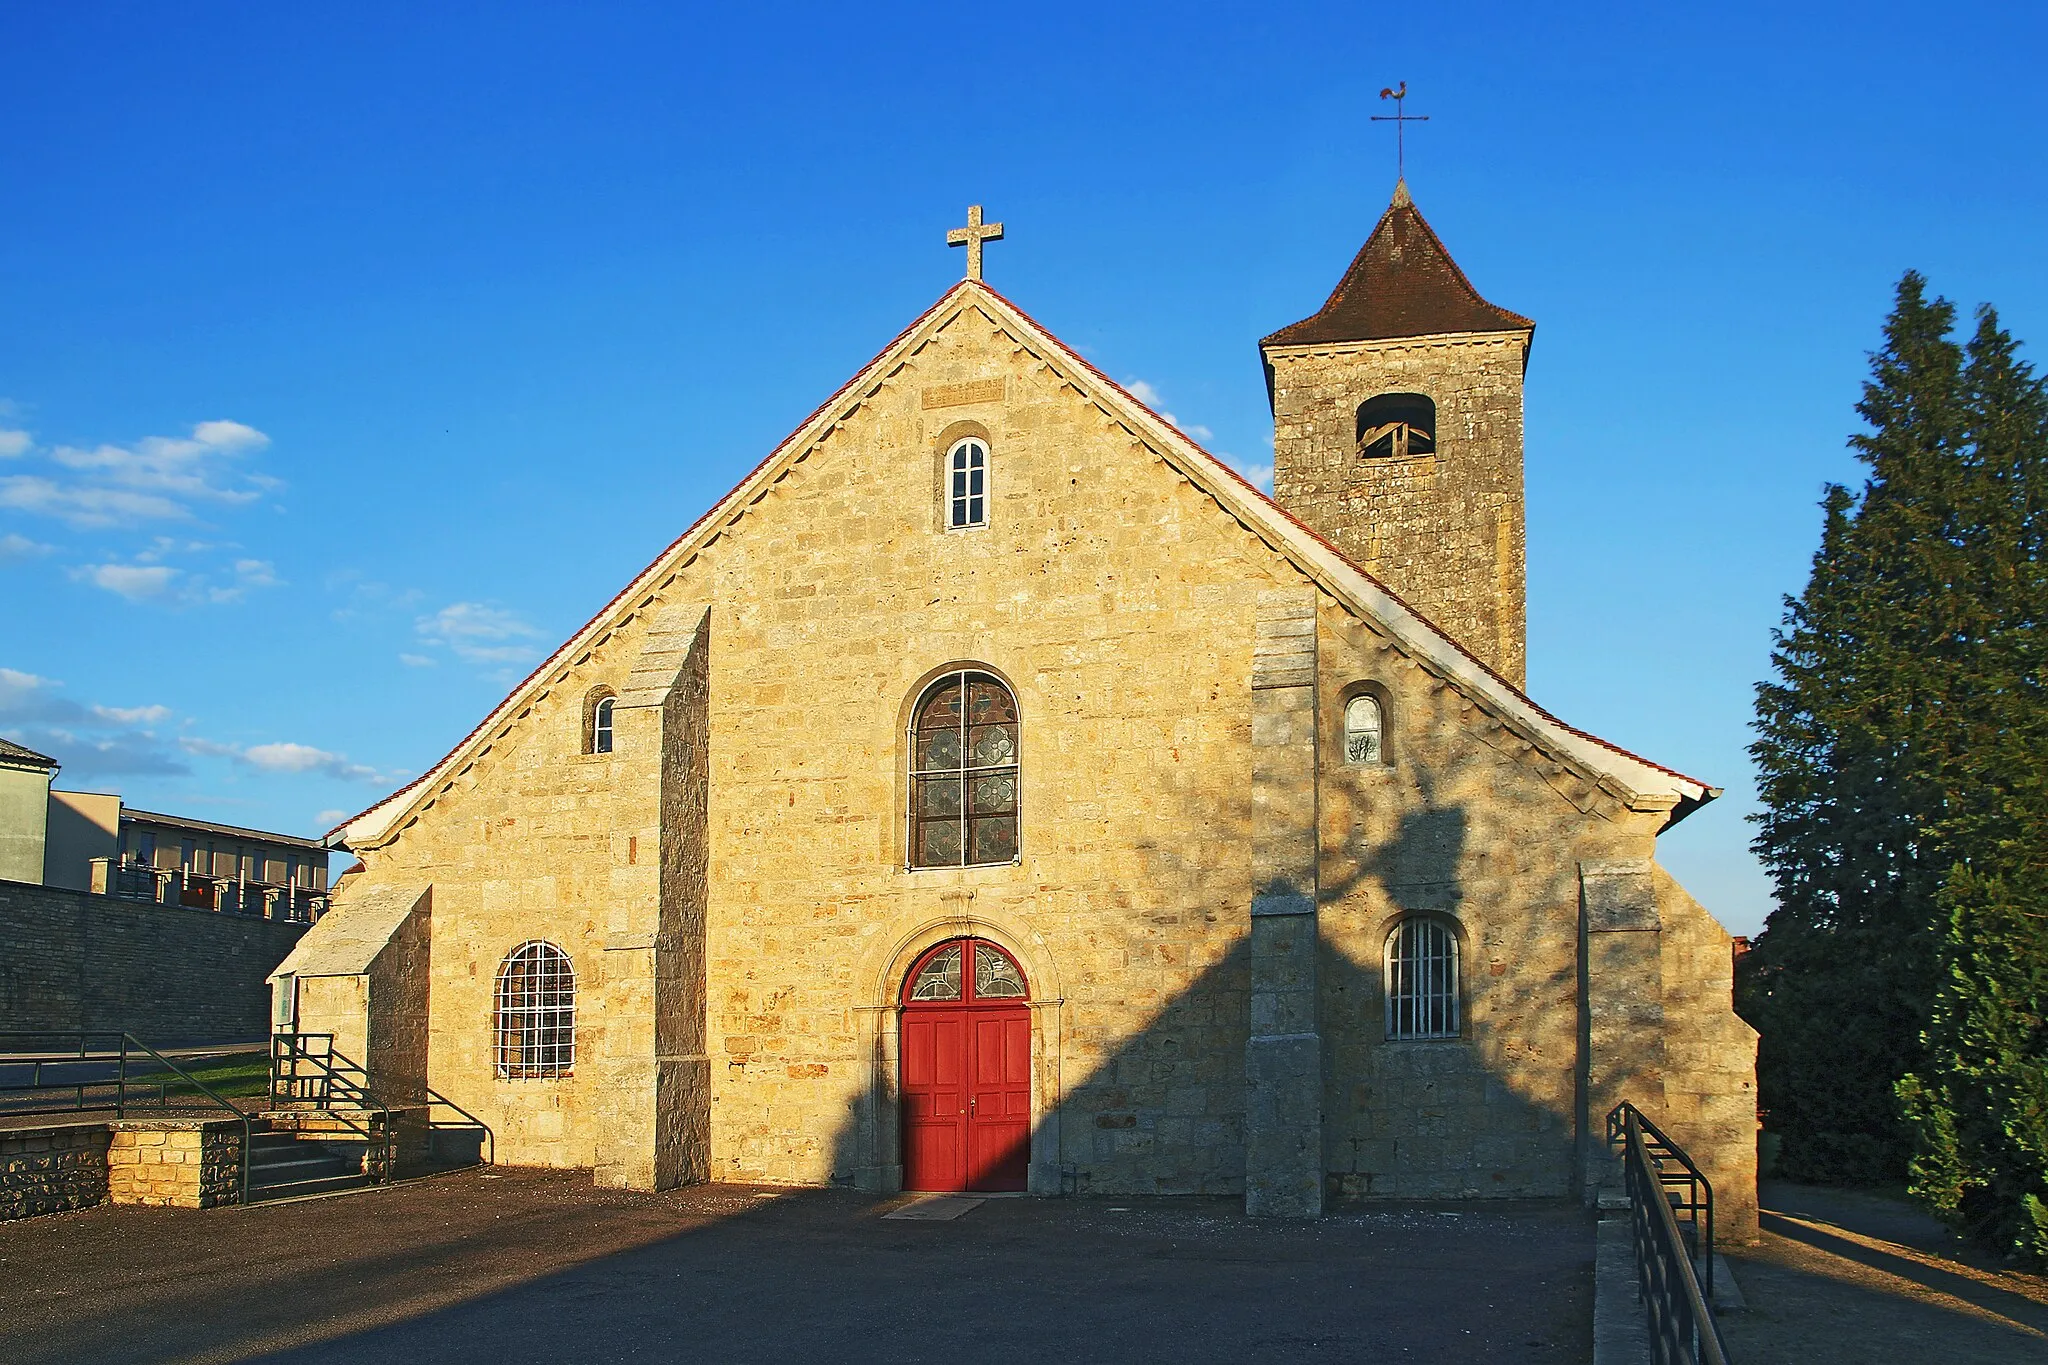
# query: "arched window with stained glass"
{"type": "Point", "coordinates": [964, 772]}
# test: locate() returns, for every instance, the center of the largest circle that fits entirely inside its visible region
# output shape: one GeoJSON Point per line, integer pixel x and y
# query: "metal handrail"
{"type": "Point", "coordinates": [117, 1053]}
{"type": "Point", "coordinates": [288, 1050]}
{"type": "Point", "coordinates": [1674, 1170]}
{"type": "Point", "coordinates": [1682, 1325]}
{"type": "Point", "coordinates": [344, 1071]}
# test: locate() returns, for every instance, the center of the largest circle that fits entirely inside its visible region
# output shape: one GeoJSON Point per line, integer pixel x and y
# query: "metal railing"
{"type": "Point", "coordinates": [96, 1071]}
{"type": "Point", "coordinates": [305, 1069]}
{"type": "Point", "coordinates": [132, 881]}
{"type": "Point", "coordinates": [1663, 1182]}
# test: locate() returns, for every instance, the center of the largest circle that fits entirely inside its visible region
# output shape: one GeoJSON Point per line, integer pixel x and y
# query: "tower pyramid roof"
{"type": "Point", "coordinates": [1402, 283]}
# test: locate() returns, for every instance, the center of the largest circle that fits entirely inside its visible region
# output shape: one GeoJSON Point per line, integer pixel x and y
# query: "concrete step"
{"type": "Point", "coordinates": [298, 1173]}
{"type": "Point", "coordinates": [330, 1184]}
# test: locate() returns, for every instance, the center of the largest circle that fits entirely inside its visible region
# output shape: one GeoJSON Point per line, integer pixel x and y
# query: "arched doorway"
{"type": "Point", "coordinates": [966, 1048]}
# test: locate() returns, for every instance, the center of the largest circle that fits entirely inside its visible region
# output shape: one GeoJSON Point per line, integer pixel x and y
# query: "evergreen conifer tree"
{"type": "Point", "coordinates": [1978, 1103]}
{"type": "Point", "coordinates": [1851, 775]}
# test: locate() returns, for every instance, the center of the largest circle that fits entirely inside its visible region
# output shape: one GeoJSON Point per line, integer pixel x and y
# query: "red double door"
{"type": "Point", "coordinates": [966, 1072]}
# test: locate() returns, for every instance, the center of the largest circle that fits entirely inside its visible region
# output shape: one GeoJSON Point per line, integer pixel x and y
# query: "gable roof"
{"type": "Point", "coordinates": [1636, 780]}
{"type": "Point", "coordinates": [1402, 283]}
{"type": "Point", "coordinates": [19, 756]}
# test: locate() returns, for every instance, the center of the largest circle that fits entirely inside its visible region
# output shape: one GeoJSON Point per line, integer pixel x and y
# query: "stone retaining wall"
{"type": "Point", "coordinates": [175, 1163]}
{"type": "Point", "coordinates": [165, 973]}
{"type": "Point", "coordinates": [53, 1169]}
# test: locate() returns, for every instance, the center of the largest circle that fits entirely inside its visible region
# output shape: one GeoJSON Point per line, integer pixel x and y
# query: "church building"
{"type": "Point", "coordinates": [994, 792]}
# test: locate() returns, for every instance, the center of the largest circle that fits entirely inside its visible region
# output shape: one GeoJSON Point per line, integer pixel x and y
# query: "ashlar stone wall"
{"type": "Point", "coordinates": [175, 1163]}
{"type": "Point", "coordinates": [731, 885]}
{"type": "Point", "coordinates": [1446, 530]}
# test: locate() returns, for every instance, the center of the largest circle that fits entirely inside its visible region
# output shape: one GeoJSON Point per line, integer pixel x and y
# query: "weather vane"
{"type": "Point", "coordinates": [1400, 122]}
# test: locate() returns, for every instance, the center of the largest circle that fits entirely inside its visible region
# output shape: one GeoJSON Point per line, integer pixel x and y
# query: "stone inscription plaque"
{"type": "Point", "coordinates": [971, 391]}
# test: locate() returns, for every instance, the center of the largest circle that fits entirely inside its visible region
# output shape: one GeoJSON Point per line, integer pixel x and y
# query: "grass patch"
{"type": "Point", "coordinates": [234, 1078]}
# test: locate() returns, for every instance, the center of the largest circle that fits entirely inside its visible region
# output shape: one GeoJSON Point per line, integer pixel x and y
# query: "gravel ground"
{"type": "Point", "coordinates": [511, 1266]}
{"type": "Point", "coordinates": [1844, 1276]}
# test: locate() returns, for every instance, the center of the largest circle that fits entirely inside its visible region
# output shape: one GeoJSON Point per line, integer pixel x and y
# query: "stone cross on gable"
{"type": "Point", "coordinates": [972, 236]}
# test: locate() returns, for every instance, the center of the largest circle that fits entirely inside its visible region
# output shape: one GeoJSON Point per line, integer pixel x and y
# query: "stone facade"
{"type": "Point", "coordinates": [1204, 890]}
{"type": "Point", "coordinates": [1445, 529]}
{"type": "Point", "coordinates": [52, 1169]}
{"type": "Point", "coordinates": [175, 1163]}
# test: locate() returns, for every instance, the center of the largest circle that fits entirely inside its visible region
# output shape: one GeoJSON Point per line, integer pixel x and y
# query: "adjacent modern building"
{"type": "Point", "coordinates": [91, 841]}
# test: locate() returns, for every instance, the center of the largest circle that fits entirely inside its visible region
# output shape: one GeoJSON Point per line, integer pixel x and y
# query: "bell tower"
{"type": "Point", "coordinates": [1397, 434]}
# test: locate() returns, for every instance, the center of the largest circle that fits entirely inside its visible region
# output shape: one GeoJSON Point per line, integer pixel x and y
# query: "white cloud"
{"type": "Point", "coordinates": [1153, 399]}
{"type": "Point", "coordinates": [479, 634]}
{"type": "Point", "coordinates": [149, 579]}
{"type": "Point", "coordinates": [14, 546]}
{"type": "Point", "coordinates": [1259, 472]}
{"type": "Point", "coordinates": [14, 443]}
{"type": "Point", "coordinates": [283, 757]}
{"type": "Point", "coordinates": [159, 478]}
{"type": "Point", "coordinates": [418, 661]}
{"type": "Point", "coordinates": [132, 715]}
{"type": "Point", "coordinates": [328, 819]}
{"type": "Point", "coordinates": [136, 582]}
{"type": "Point", "coordinates": [33, 713]}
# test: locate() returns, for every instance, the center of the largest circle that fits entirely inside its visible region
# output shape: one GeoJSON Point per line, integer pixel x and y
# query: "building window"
{"type": "Point", "coordinates": [1395, 426]}
{"type": "Point", "coordinates": [967, 483]}
{"type": "Point", "coordinates": [963, 773]}
{"type": "Point", "coordinates": [598, 708]}
{"type": "Point", "coordinates": [1364, 739]}
{"type": "Point", "coordinates": [535, 1017]}
{"type": "Point", "coordinates": [1422, 980]}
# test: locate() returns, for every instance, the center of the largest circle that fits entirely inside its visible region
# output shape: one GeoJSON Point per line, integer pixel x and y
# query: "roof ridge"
{"type": "Point", "coordinates": [1214, 462]}
{"type": "Point", "coordinates": [1371, 299]}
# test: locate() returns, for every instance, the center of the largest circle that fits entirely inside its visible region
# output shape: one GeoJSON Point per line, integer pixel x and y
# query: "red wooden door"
{"type": "Point", "coordinates": [966, 1051]}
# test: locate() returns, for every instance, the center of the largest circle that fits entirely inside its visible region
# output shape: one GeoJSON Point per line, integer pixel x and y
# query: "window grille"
{"type": "Point", "coordinates": [1422, 980]}
{"type": "Point", "coordinates": [1363, 738]}
{"type": "Point", "coordinates": [963, 773]}
{"type": "Point", "coordinates": [536, 1012]}
{"type": "Point", "coordinates": [601, 727]}
{"type": "Point", "coordinates": [967, 483]}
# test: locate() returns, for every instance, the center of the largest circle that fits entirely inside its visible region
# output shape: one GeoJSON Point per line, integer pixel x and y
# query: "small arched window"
{"type": "Point", "coordinates": [1364, 735]}
{"type": "Point", "coordinates": [597, 721]}
{"type": "Point", "coordinates": [1395, 426]}
{"type": "Point", "coordinates": [967, 483]}
{"type": "Point", "coordinates": [534, 1016]}
{"type": "Point", "coordinates": [963, 773]}
{"type": "Point", "coordinates": [1422, 979]}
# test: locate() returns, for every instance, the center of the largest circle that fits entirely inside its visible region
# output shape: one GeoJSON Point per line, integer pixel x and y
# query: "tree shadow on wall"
{"type": "Point", "coordinates": [1159, 1108]}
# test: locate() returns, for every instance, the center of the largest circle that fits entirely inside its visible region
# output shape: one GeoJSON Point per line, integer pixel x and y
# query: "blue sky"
{"type": "Point", "coordinates": [352, 359]}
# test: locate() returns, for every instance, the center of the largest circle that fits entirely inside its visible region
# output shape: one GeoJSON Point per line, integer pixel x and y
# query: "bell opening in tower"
{"type": "Point", "coordinates": [1395, 426]}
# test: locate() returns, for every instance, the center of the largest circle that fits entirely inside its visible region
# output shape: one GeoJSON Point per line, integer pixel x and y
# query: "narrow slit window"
{"type": "Point", "coordinates": [1422, 980]}
{"type": "Point", "coordinates": [967, 484]}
